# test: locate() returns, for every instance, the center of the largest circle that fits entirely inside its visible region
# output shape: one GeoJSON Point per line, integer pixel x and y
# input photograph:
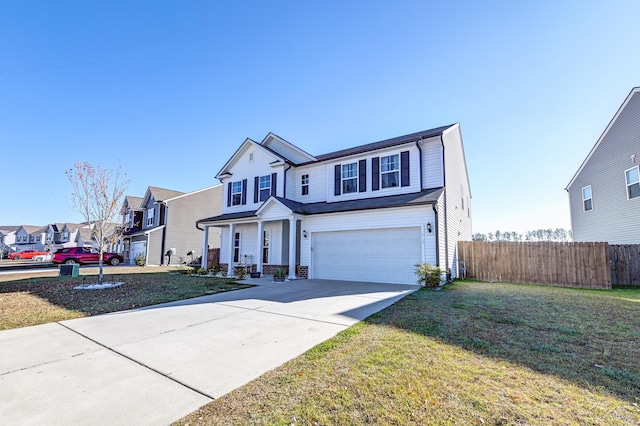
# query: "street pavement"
{"type": "Point", "coordinates": [154, 365]}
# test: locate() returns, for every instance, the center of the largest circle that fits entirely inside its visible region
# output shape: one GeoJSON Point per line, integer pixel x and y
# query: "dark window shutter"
{"type": "Point", "coordinates": [244, 191]}
{"type": "Point", "coordinates": [256, 186]}
{"type": "Point", "coordinates": [375, 173]}
{"type": "Point", "coordinates": [337, 180]}
{"type": "Point", "coordinates": [404, 168]}
{"type": "Point", "coordinates": [362, 176]}
{"type": "Point", "coordinates": [274, 181]}
{"type": "Point", "coordinates": [229, 195]}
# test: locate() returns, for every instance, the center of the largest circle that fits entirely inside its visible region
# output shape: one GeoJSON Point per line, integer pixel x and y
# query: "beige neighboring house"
{"type": "Point", "coordinates": [161, 226]}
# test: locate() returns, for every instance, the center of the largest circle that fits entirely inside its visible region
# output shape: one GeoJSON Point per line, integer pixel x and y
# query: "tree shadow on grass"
{"type": "Point", "coordinates": [584, 336]}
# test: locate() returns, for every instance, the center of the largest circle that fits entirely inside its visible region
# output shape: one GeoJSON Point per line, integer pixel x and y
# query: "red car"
{"type": "Point", "coordinates": [72, 255]}
{"type": "Point", "coordinates": [26, 254]}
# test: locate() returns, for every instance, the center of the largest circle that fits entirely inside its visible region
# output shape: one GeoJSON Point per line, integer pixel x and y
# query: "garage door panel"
{"type": "Point", "coordinates": [377, 255]}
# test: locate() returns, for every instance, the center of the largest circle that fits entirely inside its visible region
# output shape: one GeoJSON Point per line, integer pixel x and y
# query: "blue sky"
{"type": "Point", "coordinates": [170, 89]}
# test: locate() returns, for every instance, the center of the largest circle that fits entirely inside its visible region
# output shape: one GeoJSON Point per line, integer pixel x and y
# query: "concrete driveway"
{"type": "Point", "coordinates": [157, 364]}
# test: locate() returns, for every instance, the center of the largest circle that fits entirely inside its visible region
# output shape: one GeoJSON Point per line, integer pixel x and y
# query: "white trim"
{"type": "Point", "coordinates": [396, 171]}
{"type": "Point", "coordinates": [223, 173]}
{"type": "Point", "coordinates": [233, 193]}
{"type": "Point", "coordinates": [356, 177]}
{"type": "Point", "coordinates": [585, 199]}
{"type": "Point", "coordinates": [627, 184]}
{"type": "Point", "coordinates": [261, 188]}
{"type": "Point", "coordinates": [606, 131]}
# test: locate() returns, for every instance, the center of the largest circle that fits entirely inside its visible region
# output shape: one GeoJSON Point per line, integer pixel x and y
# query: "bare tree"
{"type": "Point", "coordinates": [96, 194]}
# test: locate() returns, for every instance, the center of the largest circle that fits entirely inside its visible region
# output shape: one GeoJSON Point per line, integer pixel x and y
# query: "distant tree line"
{"type": "Point", "coordinates": [557, 235]}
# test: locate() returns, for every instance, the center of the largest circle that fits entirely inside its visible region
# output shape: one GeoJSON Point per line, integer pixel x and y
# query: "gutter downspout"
{"type": "Point", "coordinates": [284, 181]}
{"type": "Point", "coordinates": [446, 216]}
{"type": "Point", "coordinates": [436, 227]}
{"type": "Point", "coordinates": [420, 158]}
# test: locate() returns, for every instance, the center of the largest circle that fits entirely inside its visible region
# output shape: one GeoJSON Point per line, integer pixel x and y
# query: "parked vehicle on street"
{"type": "Point", "coordinates": [71, 255]}
{"type": "Point", "coordinates": [26, 254]}
{"type": "Point", "coordinates": [43, 257]}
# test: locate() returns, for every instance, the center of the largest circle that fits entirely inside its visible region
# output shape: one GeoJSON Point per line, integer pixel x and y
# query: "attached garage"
{"type": "Point", "coordinates": [137, 248]}
{"type": "Point", "coordinates": [375, 255]}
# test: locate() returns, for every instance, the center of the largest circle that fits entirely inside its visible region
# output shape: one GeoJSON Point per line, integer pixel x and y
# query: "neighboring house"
{"type": "Point", "coordinates": [30, 237]}
{"type": "Point", "coordinates": [368, 213]}
{"type": "Point", "coordinates": [62, 235]}
{"type": "Point", "coordinates": [165, 221]}
{"type": "Point", "coordinates": [8, 235]}
{"type": "Point", "coordinates": [604, 194]}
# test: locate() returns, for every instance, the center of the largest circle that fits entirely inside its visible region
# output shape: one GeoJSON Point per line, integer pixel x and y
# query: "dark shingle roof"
{"type": "Point", "coordinates": [161, 194]}
{"type": "Point", "coordinates": [384, 144]}
{"type": "Point", "coordinates": [428, 196]}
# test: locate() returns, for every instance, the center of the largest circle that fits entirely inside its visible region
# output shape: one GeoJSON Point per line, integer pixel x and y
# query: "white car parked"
{"type": "Point", "coordinates": [42, 258]}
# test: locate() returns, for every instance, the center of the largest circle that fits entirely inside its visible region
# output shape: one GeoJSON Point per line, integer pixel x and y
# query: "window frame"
{"type": "Point", "coordinates": [266, 239]}
{"type": "Point", "coordinates": [395, 171]}
{"type": "Point", "coordinates": [264, 191]}
{"type": "Point", "coordinates": [590, 199]}
{"type": "Point", "coordinates": [236, 191]}
{"type": "Point", "coordinates": [304, 184]}
{"type": "Point", "coordinates": [628, 185]}
{"type": "Point", "coordinates": [236, 247]}
{"type": "Point", "coordinates": [348, 168]}
{"type": "Point", "coordinates": [150, 216]}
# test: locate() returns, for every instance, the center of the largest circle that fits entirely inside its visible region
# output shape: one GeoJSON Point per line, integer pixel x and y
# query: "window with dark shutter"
{"type": "Point", "coordinates": [256, 183]}
{"type": "Point", "coordinates": [274, 188]}
{"type": "Point", "coordinates": [337, 180]}
{"type": "Point", "coordinates": [404, 168]}
{"type": "Point", "coordinates": [375, 173]}
{"type": "Point", "coordinates": [244, 191]}
{"type": "Point", "coordinates": [362, 175]}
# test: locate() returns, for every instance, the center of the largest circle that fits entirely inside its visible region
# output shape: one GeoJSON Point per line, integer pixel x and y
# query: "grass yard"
{"type": "Point", "coordinates": [474, 353]}
{"type": "Point", "coordinates": [42, 300]}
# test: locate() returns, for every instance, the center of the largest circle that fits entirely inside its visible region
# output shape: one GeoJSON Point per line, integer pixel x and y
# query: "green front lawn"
{"type": "Point", "coordinates": [41, 300]}
{"type": "Point", "coordinates": [473, 353]}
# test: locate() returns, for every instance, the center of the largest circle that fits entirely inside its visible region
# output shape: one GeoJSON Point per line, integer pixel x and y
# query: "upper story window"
{"type": "Point", "coordinates": [587, 201]}
{"type": "Point", "coordinates": [265, 187]}
{"type": "Point", "coordinates": [305, 184]}
{"type": "Point", "coordinates": [633, 182]}
{"type": "Point", "coordinates": [150, 214]}
{"type": "Point", "coordinates": [349, 178]}
{"type": "Point", "coordinates": [236, 193]}
{"type": "Point", "coordinates": [390, 171]}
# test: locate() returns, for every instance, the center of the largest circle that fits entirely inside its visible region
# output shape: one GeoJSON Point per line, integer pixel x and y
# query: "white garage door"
{"type": "Point", "coordinates": [376, 255]}
{"type": "Point", "coordinates": [137, 248]}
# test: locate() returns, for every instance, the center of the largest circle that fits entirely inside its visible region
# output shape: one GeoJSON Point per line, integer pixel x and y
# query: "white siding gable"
{"type": "Point", "coordinates": [319, 181]}
{"type": "Point", "coordinates": [432, 173]}
{"type": "Point", "coordinates": [251, 163]}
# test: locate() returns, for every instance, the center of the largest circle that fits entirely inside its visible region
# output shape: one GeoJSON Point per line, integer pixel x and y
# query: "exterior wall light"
{"type": "Point", "coordinates": [429, 227]}
{"type": "Point", "coordinates": [304, 234]}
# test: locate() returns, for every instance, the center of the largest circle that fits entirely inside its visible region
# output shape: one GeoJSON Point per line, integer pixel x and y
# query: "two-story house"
{"type": "Point", "coordinates": [30, 237]}
{"type": "Point", "coordinates": [161, 226]}
{"type": "Point", "coordinates": [7, 238]}
{"type": "Point", "coordinates": [604, 194]}
{"type": "Point", "coordinates": [59, 235]}
{"type": "Point", "coordinates": [367, 213]}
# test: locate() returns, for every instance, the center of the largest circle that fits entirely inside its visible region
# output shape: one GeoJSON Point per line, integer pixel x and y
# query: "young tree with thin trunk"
{"type": "Point", "coordinates": [96, 196]}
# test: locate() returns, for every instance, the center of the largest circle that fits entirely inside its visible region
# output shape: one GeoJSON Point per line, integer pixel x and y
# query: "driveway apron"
{"type": "Point", "coordinates": [157, 364]}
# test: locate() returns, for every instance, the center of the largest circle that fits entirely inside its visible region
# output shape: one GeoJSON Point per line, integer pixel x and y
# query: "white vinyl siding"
{"type": "Point", "coordinates": [614, 216]}
{"type": "Point", "coordinates": [432, 173]}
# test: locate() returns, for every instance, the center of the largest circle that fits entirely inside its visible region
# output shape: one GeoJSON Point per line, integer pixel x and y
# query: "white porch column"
{"type": "Point", "coordinates": [260, 239]}
{"type": "Point", "coordinates": [292, 247]}
{"type": "Point", "coordinates": [232, 237]}
{"type": "Point", "coordinates": [205, 248]}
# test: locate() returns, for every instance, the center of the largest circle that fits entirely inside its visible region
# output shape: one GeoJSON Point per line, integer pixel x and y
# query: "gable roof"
{"type": "Point", "coordinates": [633, 92]}
{"type": "Point", "coordinates": [413, 137]}
{"type": "Point", "coordinates": [286, 149]}
{"type": "Point", "coordinates": [158, 194]}
{"type": "Point", "coordinates": [134, 203]}
{"type": "Point", "coordinates": [239, 151]}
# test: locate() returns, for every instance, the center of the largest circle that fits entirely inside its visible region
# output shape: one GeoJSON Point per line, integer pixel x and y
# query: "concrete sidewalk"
{"type": "Point", "coordinates": [157, 364]}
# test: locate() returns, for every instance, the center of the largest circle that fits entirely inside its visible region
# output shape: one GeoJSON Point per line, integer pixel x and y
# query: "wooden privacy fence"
{"type": "Point", "coordinates": [580, 265]}
{"type": "Point", "coordinates": [625, 264]}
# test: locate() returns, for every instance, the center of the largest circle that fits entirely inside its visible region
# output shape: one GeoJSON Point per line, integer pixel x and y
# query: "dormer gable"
{"type": "Point", "coordinates": [248, 149]}
{"type": "Point", "coordinates": [287, 150]}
